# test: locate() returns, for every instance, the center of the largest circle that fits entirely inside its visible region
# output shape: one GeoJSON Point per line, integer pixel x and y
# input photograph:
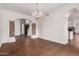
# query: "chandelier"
{"type": "Point", "coordinates": [37, 14]}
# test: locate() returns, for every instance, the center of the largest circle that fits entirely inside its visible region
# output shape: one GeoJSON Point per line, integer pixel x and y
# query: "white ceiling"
{"type": "Point", "coordinates": [29, 8]}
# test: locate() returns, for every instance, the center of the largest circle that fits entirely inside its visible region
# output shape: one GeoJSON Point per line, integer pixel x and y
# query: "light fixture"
{"type": "Point", "coordinates": [27, 21]}
{"type": "Point", "coordinates": [37, 14]}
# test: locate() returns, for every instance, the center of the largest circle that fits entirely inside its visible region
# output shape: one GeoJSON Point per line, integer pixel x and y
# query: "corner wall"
{"type": "Point", "coordinates": [0, 26]}
{"type": "Point", "coordinates": [10, 16]}
{"type": "Point", "coordinates": [54, 26]}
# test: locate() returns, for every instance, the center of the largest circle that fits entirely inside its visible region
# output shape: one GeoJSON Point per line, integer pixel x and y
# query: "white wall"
{"type": "Point", "coordinates": [10, 16]}
{"type": "Point", "coordinates": [0, 27]}
{"type": "Point", "coordinates": [54, 26]}
{"type": "Point", "coordinates": [17, 27]}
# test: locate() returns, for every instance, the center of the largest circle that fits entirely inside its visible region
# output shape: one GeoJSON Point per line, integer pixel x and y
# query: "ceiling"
{"type": "Point", "coordinates": [29, 8]}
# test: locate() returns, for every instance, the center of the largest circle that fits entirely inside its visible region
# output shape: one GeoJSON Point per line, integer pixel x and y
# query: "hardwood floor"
{"type": "Point", "coordinates": [36, 47]}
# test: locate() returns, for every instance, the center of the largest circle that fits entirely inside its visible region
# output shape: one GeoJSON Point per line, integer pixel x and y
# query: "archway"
{"type": "Point", "coordinates": [22, 27]}
{"type": "Point", "coordinates": [73, 27]}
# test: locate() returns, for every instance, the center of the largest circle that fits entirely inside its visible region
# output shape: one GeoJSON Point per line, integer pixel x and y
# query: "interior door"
{"type": "Point", "coordinates": [11, 28]}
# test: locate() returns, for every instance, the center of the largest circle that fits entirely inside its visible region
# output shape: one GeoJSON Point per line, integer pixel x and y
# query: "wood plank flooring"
{"type": "Point", "coordinates": [36, 47]}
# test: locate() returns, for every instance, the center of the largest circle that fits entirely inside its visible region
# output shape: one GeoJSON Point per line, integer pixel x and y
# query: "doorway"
{"type": "Point", "coordinates": [73, 25]}
{"type": "Point", "coordinates": [26, 27]}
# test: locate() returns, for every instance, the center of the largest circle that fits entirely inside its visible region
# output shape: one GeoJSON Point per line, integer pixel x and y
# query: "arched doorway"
{"type": "Point", "coordinates": [22, 27]}
{"type": "Point", "coordinates": [73, 27]}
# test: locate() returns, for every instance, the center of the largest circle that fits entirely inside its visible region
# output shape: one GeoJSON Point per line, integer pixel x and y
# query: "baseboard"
{"type": "Point", "coordinates": [53, 40]}
{"type": "Point", "coordinates": [11, 39]}
{"type": "Point", "coordinates": [22, 35]}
